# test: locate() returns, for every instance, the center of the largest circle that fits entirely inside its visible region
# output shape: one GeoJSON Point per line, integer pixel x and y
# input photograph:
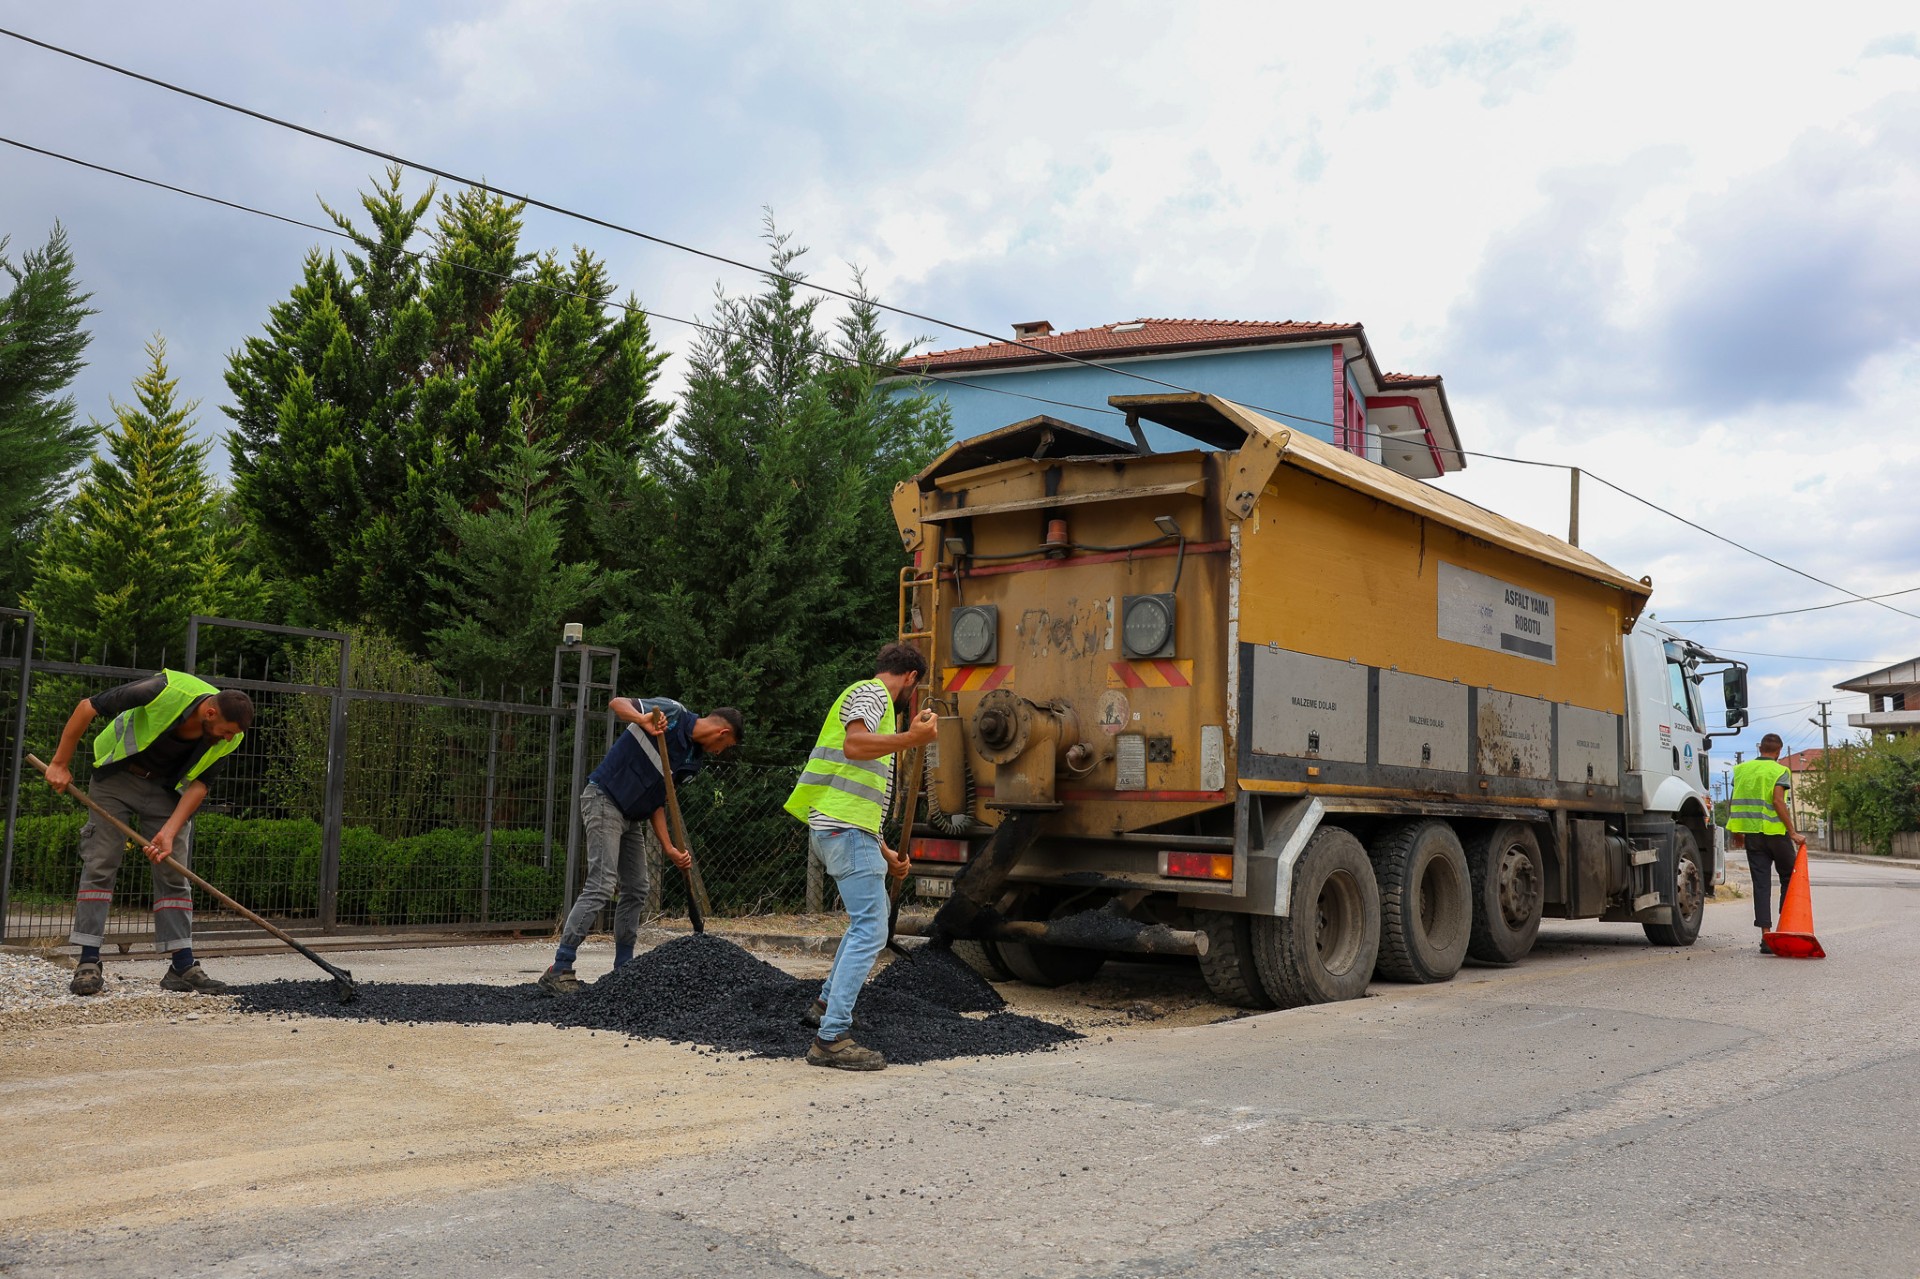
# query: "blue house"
{"type": "Point", "coordinates": [1321, 379]}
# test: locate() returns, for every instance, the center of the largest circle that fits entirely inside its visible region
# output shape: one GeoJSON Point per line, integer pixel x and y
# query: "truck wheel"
{"type": "Point", "coordinates": [984, 958]}
{"type": "Point", "coordinates": [1689, 894]}
{"type": "Point", "coordinates": [1325, 949]}
{"type": "Point", "coordinates": [1509, 890]}
{"type": "Point", "coordinates": [1426, 901]}
{"type": "Point", "coordinates": [1228, 964]}
{"type": "Point", "coordinates": [1039, 964]}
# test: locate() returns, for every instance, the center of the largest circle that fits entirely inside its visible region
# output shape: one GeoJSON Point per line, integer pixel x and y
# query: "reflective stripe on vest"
{"type": "Point", "coordinates": [848, 790]}
{"type": "Point", "coordinates": [1751, 810]}
{"type": "Point", "coordinates": [132, 731]}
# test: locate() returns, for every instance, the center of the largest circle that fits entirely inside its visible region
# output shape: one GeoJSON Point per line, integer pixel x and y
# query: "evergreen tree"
{"type": "Point", "coordinates": [758, 556]}
{"type": "Point", "coordinates": [41, 446]}
{"type": "Point", "coordinates": [137, 551]}
{"type": "Point", "coordinates": [506, 588]}
{"type": "Point", "coordinates": [383, 388]}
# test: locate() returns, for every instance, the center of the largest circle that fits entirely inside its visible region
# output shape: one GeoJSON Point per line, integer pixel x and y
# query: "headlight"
{"type": "Point", "coordinates": [975, 634]}
{"type": "Point", "coordinates": [1146, 626]}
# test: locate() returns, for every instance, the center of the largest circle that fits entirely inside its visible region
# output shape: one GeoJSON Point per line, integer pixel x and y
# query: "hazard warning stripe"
{"type": "Point", "coordinates": [1157, 673]}
{"type": "Point", "coordinates": [976, 679]}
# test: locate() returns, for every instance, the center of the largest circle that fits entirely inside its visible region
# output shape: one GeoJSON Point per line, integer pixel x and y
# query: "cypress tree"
{"type": "Point", "coordinates": [41, 445]}
{"type": "Point", "coordinates": [137, 551]}
{"type": "Point", "coordinates": [755, 551]}
{"type": "Point", "coordinates": [384, 387]}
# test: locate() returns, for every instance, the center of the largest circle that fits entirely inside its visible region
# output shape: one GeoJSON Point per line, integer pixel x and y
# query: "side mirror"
{"type": "Point", "coordinates": [1733, 695]}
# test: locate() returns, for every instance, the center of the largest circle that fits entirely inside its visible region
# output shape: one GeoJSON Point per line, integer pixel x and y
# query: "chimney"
{"type": "Point", "coordinates": [1032, 329]}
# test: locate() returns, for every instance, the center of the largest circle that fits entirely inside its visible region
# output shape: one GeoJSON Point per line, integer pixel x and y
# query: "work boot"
{"type": "Point", "coordinates": [194, 979]}
{"type": "Point", "coordinates": [560, 981]}
{"type": "Point", "coordinates": [844, 1054]}
{"type": "Point", "coordinates": [87, 979]}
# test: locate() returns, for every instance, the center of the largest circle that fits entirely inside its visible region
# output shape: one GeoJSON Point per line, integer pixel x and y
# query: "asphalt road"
{"type": "Point", "coordinates": [1604, 1108]}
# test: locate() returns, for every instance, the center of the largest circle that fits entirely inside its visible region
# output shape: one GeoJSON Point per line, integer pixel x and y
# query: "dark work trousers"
{"type": "Point", "coordinates": [1767, 854]}
{"type": "Point", "coordinates": [132, 799]}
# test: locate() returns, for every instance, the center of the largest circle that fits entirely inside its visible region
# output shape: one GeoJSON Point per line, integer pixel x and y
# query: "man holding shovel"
{"type": "Point", "coordinates": [842, 797]}
{"type": "Point", "coordinates": [624, 794]}
{"type": "Point", "coordinates": [165, 736]}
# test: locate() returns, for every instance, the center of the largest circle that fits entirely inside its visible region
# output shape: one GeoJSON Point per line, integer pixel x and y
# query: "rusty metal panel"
{"type": "Point", "coordinates": [1589, 746]}
{"type": "Point", "coordinates": [1423, 722]}
{"type": "Point", "coordinates": [1514, 735]}
{"type": "Point", "coordinates": [1308, 706]}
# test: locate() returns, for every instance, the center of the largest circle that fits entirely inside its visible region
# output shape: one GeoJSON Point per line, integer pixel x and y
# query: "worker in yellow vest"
{"type": "Point", "coordinates": [165, 736]}
{"type": "Point", "coordinates": [843, 798]}
{"type": "Point", "coordinates": [1761, 820]}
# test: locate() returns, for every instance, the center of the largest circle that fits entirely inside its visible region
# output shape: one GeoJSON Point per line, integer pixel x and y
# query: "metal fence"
{"type": "Point", "coordinates": [356, 808]}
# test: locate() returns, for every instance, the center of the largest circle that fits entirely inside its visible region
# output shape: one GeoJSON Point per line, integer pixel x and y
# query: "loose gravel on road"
{"type": "Point", "coordinates": [702, 989]}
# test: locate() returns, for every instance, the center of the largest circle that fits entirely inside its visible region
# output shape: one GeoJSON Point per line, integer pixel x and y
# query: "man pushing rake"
{"type": "Point", "coordinates": [164, 738]}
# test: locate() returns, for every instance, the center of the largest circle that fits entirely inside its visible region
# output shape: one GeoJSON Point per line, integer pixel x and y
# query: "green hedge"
{"type": "Point", "coordinates": [274, 867]}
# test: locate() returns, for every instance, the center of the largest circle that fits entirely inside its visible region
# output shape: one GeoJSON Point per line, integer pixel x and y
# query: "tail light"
{"type": "Point", "coordinates": [942, 850]}
{"type": "Point", "coordinates": [1197, 865]}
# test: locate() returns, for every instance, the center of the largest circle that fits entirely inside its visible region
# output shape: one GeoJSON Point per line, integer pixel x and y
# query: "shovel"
{"type": "Point", "coordinates": [696, 890]}
{"type": "Point", "coordinates": [342, 979]}
{"type": "Point", "coordinates": [898, 888]}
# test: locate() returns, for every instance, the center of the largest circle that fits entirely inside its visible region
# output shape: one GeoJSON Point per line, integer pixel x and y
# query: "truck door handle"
{"type": "Point", "coordinates": [1676, 759]}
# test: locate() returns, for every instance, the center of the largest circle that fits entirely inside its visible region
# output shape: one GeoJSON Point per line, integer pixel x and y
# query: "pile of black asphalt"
{"type": "Point", "coordinates": [705, 990]}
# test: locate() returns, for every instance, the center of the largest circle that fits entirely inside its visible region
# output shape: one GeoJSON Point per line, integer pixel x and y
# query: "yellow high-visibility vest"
{"type": "Point", "coordinates": [853, 791]}
{"type": "Point", "coordinates": [1752, 810]}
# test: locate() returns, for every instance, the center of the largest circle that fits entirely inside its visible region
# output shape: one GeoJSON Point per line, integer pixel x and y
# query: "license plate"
{"type": "Point", "coordinates": [933, 886]}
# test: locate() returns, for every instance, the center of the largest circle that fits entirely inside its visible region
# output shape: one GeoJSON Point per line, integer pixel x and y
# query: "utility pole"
{"type": "Point", "coordinates": [1573, 507]}
{"type": "Point", "coordinates": [1826, 776]}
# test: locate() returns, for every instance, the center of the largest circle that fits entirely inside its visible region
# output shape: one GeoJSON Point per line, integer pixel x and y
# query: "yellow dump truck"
{"type": "Point", "coordinates": [1273, 705]}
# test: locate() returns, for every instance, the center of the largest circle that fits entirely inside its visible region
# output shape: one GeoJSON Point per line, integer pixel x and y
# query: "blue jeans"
{"type": "Point", "coordinates": [853, 858]}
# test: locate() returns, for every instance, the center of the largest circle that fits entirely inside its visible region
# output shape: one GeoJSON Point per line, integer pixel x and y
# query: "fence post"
{"type": "Point", "coordinates": [486, 819]}
{"type": "Point", "coordinates": [336, 796]}
{"type": "Point", "coordinates": [13, 778]}
{"type": "Point", "coordinates": [578, 777]}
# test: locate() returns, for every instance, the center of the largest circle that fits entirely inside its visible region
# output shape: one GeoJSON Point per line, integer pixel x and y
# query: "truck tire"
{"type": "Point", "coordinates": [1039, 964]}
{"type": "Point", "coordinates": [1426, 901]}
{"type": "Point", "coordinates": [984, 958]}
{"type": "Point", "coordinates": [1689, 894]}
{"type": "Point", "coordinates": [1509, 891]}
{"type": "Point", "coordinates": [1324, 950]}
{"type": "Point", "coordinates": [1228, 964]}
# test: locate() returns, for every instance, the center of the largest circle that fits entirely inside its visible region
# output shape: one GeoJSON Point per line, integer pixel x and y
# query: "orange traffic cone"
{"type": "Point", "coordinates": [1794, 938]}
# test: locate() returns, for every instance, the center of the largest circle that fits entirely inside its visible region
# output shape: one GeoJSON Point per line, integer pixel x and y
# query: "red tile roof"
{"type": "Point", "coordinates": [1129, 337]}
{"type": "Point", "coordinates": [1802, 761]}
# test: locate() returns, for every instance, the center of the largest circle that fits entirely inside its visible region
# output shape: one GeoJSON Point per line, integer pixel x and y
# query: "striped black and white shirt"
{"type": "Point", "coordinates": [866, 705]}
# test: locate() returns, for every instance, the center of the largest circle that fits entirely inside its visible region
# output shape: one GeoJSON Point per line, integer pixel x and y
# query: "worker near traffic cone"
{"type": "Point", "coordinates": [1761, 821]}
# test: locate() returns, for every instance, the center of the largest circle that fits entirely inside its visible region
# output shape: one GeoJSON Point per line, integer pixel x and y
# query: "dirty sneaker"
{"type": "Point", "coordinates": [87, 979]}
{"type": "Point", "coordinates": [560, 981]}
{"type": "Point", "coordinates": [844, 1054]}
{"type": "Point", "coordinates": [194, 979]}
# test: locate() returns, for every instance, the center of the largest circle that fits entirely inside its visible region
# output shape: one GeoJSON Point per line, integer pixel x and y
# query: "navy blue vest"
{"type": "Point", "coordinates": [629, 774]}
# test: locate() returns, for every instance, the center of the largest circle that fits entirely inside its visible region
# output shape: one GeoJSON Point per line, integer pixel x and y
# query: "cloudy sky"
{"type": "Point", "coordinates": [1679, 250]}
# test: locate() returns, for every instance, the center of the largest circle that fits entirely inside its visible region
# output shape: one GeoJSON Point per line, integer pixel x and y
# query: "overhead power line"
{"type": "Point", "coordinates": [828, 290]}
{"type": "Point", "coordinates": [1785, 612]}
{"type": "Point", "coordinates": [550, 289]}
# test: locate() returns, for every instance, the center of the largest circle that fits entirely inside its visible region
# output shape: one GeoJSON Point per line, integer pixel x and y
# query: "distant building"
{"type": "Point", "coordinates": [1893, 700]}
{"type": "Point", "coordinates": [1320, 379]}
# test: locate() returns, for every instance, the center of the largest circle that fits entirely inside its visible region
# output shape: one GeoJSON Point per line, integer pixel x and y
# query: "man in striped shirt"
{"type": "Point", "coordinates": [843, 796]}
